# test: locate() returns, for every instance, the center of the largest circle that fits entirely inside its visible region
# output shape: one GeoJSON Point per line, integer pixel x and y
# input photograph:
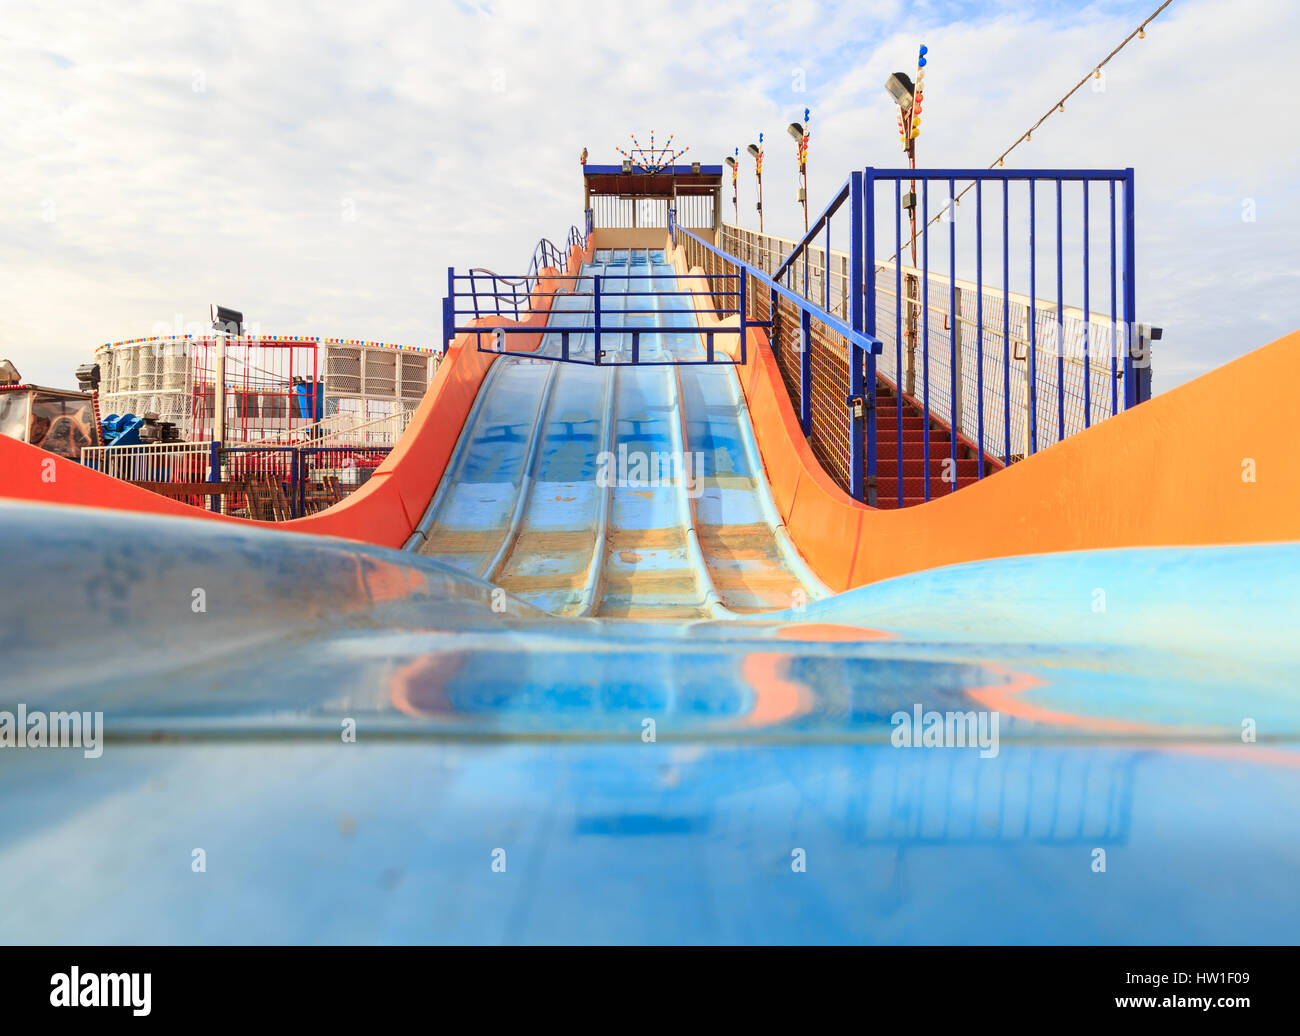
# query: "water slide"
{"type": "Point", "coordinates": [645, 699]}
{"type": "Point", "coordinates": [617, 492]}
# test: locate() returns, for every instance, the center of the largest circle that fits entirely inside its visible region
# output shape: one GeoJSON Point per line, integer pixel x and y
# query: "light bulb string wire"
{"type": "Point", "coordinates": [1058, 106]}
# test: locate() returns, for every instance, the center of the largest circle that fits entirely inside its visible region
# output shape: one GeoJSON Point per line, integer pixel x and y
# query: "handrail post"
{"type": "Point", "coordinates": [300, 475]}
{"type": "Point", "coordinates": [744, 317]}
{"type": "Point", "coordinates": [214, 473]}
{"type": "Point", "coordinates": [805, 371]}
{"type": "Point", "coordinates": [1131, 395]}
{"type": "Point", "coordinates": [595, 310]}
{"type": "Point", "coordinates": [449, 311]}
{"type": "Point", "coordinates": [869, 325]}
{"type": "Point", "coordinates": [857, 464]}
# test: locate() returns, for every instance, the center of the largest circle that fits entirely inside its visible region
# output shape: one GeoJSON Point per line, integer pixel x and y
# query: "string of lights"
{"type": "Point", "coordinates": [1093, 73]}
{"type": "Point", "coordinates": [304, 340]}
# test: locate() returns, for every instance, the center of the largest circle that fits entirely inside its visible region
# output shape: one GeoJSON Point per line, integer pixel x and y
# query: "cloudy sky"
{"type": "Point", "coordinates": [320, 166]}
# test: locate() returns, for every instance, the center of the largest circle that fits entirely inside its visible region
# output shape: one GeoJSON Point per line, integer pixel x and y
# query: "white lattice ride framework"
{"type": "Point", "coordinates": [275, 386]}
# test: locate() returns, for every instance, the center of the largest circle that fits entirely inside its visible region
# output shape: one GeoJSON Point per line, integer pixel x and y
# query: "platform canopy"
{"type": "Point", "coordinates": [676, 180]}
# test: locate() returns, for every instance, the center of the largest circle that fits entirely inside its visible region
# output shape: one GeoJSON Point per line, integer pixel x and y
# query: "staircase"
{"type": "Point", "coordinates": [914, 432]}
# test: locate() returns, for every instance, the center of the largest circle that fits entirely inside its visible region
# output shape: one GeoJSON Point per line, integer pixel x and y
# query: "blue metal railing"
{"type": "Point", "coordinates": [300, 471]}
{"type": "Point", "coordinates": [864, 346]}
{"type": "Point", "coordinates": [1060, 370]}
{"type": "Point", "coordinates": [496, 290]}
{"type": "Point", "coordinates": [466, 298]}
{"type": "Point", "coordinates": [1062, 416]}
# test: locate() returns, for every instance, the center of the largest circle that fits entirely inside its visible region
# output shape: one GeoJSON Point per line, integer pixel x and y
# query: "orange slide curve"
{"type": "Point", "coordinates": [384, 511]}
{"type": "Point", "coordinates": [1213, 461]}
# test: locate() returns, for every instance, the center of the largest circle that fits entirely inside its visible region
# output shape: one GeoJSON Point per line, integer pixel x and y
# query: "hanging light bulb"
{"type": "Point", "coordinates": [1097, 74]}
{"type": "Point", "coordinates": [1026, 138]}
{"type": "Point", "coordinates": [1001, 162]}
{"type": "Point", "coordinates": [1061, 107]}
{"type": "Point", "coordinates": [1142, 34]}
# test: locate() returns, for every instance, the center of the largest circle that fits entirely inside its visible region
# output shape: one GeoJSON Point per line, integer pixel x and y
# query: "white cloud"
{"type": "Point", "coordinates": [191, 153]}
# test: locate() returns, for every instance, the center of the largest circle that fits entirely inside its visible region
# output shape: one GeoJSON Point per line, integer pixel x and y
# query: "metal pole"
{"type": "Point", "coordinates": [868, 205]}
{"type": "Point", "coordinates": [595, 304]}
{"type": "Point", "coordinates": [857, 464]}
{"type": "Point", "coordinates": [1131, 395]}
{"type": "Point", "coordinates": [219, 390]}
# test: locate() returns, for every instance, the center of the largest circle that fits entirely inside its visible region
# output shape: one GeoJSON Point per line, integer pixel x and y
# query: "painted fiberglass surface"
{"type": "Point", "coordinates": [480, 730]}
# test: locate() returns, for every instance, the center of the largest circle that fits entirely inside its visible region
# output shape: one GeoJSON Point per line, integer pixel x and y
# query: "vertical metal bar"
{"type": "Point", "coordinates": [744, 319]}
{"type": "Point", "coordinates": [595, 310]}
{"type": "Point", "coordinates": [1131, 394]}
{"type": "Point", "coordinates": [1006, 330]}
{"type": "Point", "coordinates": [979, 323]}
{"type": "Point", "coordinates": [805, 371]}
{"type": "Point", "coordinates": [1033, 322]}
{"type": "Point", "coordinates": [214, 473]}
{"type": "Point", "coordinates": [925, 335]}
{"type": "Point", "coordinates": [449, 314]}
{"type": "Point", "coordinates": [857, 467]}
{"type": "Point", "coordinates": [953, 399]}
{"type": "Point", "coordinates": [1060, 321]}
{"type": "Point", "coordinates": [1087, 314]}
{"type": "Point", "coordinates": [1114, 371]}
{"type": "Point", "coordinates": [898, 332]}
{"type": "Point", "coordinates": [826, 270]}
{"type": "Point", "coordinates": [300, 497]}
{"type": "Point", "coordinates": [869, 324]}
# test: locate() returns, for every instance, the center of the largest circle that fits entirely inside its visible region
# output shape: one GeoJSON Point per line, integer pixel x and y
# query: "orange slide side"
{"type": "Point", "coordinates": [1213, 461]}
{"type": "Point", "coordinates": [1210, 462]}
{"type": "Point", "coordinates": [384, 511]}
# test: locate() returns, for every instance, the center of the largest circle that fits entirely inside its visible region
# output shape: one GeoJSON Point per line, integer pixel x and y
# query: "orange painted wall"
{"type": "Point", "coordinates": [384, 511]}
{"type": "Point", "coordinates": [1166, 473]}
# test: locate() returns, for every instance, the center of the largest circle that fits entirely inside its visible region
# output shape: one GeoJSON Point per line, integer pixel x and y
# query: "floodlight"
{"type": "Point", "coordinates": [900, 89]}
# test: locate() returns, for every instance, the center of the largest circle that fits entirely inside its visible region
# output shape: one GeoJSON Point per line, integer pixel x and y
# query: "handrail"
{"type": "Point", "coordinates": [1062, 366]}
{"type": "Point", "coordinates": [859, 339]}
{"type": "Point", "coordinates": [682, 322]}
{"type": "Point", "coordinates": [864, 347]}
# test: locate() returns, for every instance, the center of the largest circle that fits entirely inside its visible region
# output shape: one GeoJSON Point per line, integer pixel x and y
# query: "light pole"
{"type": "Point", "coordinates": [735, 170]}
{"type": "Point", "coordinates": [908, 97]}
{"type": "Point", "coordinates": [800, 135]}
{"type": "Point", "coordinates": [757, 151]}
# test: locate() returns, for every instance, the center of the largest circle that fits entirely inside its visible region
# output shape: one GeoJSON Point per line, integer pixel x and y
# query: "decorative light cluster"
{"type": "Point", "coordinates": [254, 339]}
{"type": "Point", "coordinates": [803, 144]}
{"type": "Point", "coordinates": [652, 159]}
{"type": "Point", "coordinates": [909, 124]}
